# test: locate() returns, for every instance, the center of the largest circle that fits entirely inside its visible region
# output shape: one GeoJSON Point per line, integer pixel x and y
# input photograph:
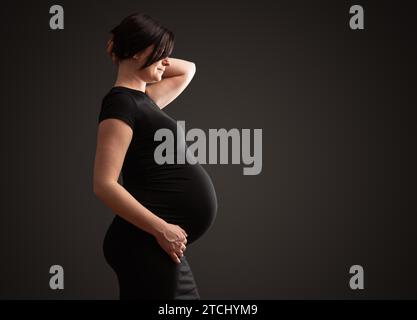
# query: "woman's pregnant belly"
{"type": "Point", "coordinates": [181, 194]}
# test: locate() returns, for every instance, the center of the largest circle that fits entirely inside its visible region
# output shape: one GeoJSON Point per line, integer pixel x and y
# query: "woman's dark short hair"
{"type": "Point", "coordinates": [138, 31]}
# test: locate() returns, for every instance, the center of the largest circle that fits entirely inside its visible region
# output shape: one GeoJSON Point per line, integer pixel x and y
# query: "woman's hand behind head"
{"type": "Point", "coordinates": [109, 50]}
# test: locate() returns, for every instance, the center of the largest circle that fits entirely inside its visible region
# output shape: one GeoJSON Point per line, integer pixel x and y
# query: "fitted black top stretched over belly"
{"type": "Point", "coordinates": [181, 194]}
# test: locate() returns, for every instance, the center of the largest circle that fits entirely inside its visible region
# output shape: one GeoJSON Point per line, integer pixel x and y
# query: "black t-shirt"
{"type": "Point", "coordinates": [182, 194]}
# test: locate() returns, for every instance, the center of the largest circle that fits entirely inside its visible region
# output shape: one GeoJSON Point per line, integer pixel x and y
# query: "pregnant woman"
{"type": "Point", "coordinates": [160, 208]}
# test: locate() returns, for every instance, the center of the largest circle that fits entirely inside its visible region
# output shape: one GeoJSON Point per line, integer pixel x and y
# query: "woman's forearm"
{"type": "Point", "coordinates": [117, 198]}
{"type": "Point", "coordinates": [178, 67]}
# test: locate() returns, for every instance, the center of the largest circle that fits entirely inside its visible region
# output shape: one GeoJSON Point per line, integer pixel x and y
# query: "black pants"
{"type": "Point", "coordinates": [144, 270]}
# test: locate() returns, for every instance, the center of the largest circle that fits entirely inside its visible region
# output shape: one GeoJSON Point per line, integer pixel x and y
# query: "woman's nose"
{"type": "Point", "coordinates": [166, 62]}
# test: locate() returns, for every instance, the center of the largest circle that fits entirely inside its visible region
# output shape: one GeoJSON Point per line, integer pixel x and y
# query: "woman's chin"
{"type": "Point", "coordinates": [154, 80]}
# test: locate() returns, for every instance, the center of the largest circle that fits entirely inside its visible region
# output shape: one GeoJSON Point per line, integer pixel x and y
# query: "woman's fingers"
{"type": "Point", "coordinates": [177, 251]}
{"type": "Point", "coordinates": [180, 252]}
{"type": "Point", "coordinates": [175, 257]}
{"type": "Point", "coordinates": [182, 231]}
{"type": "Point", "coordinates": [178, 248]}
{"type": "Point", "coordinates": [179, 243]}
{"type": "Point", "coordinates": [109, 46]}
{"type": "Point", "coordinates": [181, 249]}
{"type": "Point", "coordinates": [181, 238]}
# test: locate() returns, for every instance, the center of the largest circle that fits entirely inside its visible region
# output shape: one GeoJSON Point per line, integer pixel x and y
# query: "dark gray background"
{"type": "Point", "coordinates": [337, 109]}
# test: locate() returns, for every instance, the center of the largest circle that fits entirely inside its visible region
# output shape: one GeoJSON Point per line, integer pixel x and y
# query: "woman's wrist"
{"type": "Point", "coordinates": [178, 67]}
{"type": "Point", "coordinates": [158, 227]}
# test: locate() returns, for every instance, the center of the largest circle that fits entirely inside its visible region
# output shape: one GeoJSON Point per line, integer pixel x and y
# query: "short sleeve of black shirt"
{"type": "Point", "coordinates": [120, 106]}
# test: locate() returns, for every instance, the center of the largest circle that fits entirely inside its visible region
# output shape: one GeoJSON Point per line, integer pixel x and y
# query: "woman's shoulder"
{"type": "Point", "coordinates": [124, 104]}
{"type": "Point", "coordinates": [119, 95]}
{"type": "Point", "coordinates": [135, 94]}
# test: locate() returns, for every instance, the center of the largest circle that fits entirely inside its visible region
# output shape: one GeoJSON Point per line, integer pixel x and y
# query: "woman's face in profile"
{"type": "Point", "coordinates": [154, 72]}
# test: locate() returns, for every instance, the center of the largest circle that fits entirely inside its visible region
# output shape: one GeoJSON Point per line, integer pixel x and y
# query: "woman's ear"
{"type": "Point", "coordinates": [137, 56]}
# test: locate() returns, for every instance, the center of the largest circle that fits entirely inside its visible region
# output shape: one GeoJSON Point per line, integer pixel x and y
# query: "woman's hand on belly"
{"type": "Point", "coordinates": [172, 238]}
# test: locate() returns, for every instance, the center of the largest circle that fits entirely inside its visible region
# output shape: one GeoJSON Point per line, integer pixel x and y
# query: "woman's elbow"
{"type": "Point", "coordinates": [100, 187]}
{"type": "Point", "coordinates": [192, 68]}
{"type": "Point", "coordinates": [97, 189]}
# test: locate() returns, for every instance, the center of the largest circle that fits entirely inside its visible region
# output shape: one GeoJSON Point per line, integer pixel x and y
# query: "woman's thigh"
{"type": "Point", "coordinates": [143, 268]}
